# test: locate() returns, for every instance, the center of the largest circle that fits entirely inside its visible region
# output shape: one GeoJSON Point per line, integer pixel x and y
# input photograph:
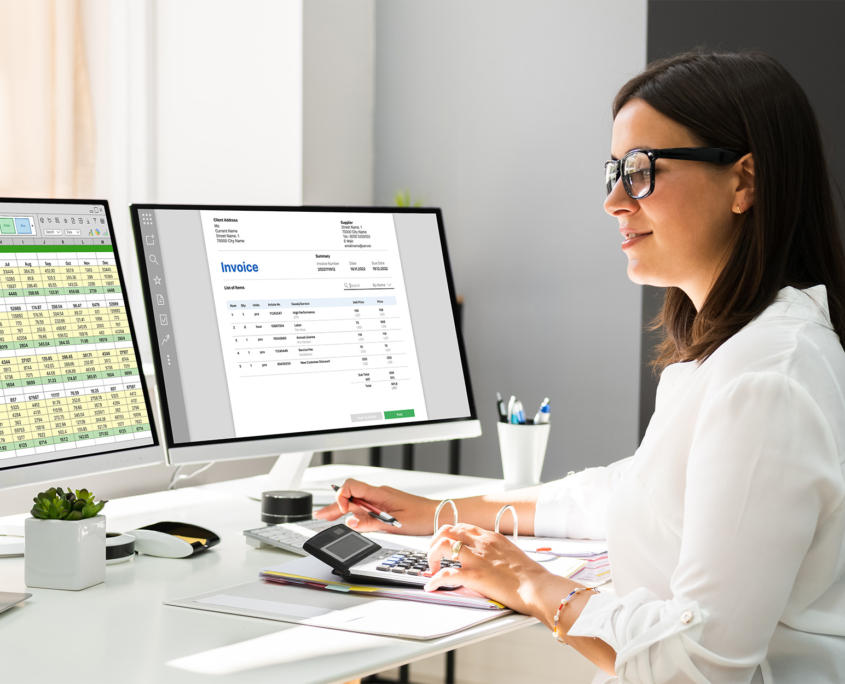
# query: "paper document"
{"type": "Point", "coordinates": [408, 620]}
{"type": "Point", "coordinates": [312, 572]}
{"type": "Point", "coordinates": [575, 548]}
{"type": "Point", "coordinates": [368, 613]}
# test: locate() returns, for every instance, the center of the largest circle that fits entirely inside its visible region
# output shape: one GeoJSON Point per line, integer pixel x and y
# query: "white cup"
{"type": "Point", "coordinates": [523, 449]}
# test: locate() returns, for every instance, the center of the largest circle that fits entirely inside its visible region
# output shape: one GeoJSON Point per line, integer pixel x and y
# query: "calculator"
{"type": "Point", "coordinates": [357, 558]}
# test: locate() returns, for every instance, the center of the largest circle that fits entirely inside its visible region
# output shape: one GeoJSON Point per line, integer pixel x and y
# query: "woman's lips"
{"type": "Point", "coordinates": [631, 241]}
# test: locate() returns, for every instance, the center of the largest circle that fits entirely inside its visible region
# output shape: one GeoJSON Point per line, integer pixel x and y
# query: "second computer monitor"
{"type": "Point", "coordinates": [292, 329]}
{"type": "Point", "coordinates": [73, 399]}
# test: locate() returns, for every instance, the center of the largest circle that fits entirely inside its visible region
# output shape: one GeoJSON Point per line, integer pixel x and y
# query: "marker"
{"type": "Point", "coordinates": [500, 407]}
{"type": "Point", "coordinates": [518, 414]}
{"type": "Point", "coordinates": [511, 402]}
{"type": "Point", "coordinates": [372, 511]}
{"type": "Point", "coordinates": [544, 414]}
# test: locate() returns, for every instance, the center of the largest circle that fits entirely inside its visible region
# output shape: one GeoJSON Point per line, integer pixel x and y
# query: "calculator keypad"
{"type": "Point", "coordinates": [406, 563]}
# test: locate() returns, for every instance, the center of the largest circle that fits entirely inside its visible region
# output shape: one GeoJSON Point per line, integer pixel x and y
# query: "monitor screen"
{"type": "Point", "coordinates": [70, 380]}
{"type": "Point", "coordinates": [273, 322]}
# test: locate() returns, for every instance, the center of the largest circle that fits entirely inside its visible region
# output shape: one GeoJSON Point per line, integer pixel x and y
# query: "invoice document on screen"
{"type": "Point", "coordinates": [314, 321]}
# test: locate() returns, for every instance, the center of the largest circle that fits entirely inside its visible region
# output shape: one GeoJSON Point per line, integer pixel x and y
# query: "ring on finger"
{"type": "Point", "coordinates": [456, 550]}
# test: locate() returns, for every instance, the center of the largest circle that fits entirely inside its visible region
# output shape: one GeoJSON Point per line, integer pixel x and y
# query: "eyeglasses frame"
{"type": "Point", "coordinates": [712, 155]}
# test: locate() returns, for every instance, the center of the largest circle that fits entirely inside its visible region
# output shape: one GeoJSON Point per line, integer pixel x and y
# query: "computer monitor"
{"type": "Point", "coordinates": [72, 396]}
{"type": "Point", "coordinates": [282, 330]}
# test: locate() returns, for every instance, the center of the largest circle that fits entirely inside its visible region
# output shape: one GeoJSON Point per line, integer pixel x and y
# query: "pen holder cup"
{"type": "Point", "coordinates": [523, 448]}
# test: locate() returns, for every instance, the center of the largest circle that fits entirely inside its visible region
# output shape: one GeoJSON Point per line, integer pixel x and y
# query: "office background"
{"type": "Point", "coordinates": [498, 111]}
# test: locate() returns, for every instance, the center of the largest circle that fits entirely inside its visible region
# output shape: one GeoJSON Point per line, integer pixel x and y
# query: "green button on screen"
{"type": "Point", "coordinates": [7, 226]}
{"type": "Point", "coordinates": [407, 413]}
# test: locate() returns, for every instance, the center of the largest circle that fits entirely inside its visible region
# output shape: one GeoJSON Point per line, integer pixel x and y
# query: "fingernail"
{"type": "Point", "coordinates": [352, 521]}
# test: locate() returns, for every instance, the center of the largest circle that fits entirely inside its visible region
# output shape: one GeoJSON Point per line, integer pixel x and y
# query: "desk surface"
{"type": "Point", "coordinates": [130, 636]}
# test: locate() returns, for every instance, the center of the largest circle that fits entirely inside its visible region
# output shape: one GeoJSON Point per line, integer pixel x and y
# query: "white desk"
{"type": "Point", "coordinates": [129, 635]}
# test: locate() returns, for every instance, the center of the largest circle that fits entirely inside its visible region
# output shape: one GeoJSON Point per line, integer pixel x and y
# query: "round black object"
{"type": "Point", "coordinates": [283, 506]}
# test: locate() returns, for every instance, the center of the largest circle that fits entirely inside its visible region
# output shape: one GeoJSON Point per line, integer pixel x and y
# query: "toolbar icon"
{"type": "Point", "coordinates": [157, 280]}
{"type": "Point", "coordinates": [162, 319]}
{"type": "Point", "coordinates": [166, 338]}
{"type": "Point", "coordinates": [151, 240]}
{"type": "Point", "coordinates": [160, 300]}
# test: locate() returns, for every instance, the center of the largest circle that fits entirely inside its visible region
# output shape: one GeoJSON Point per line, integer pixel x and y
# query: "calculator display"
{"type": "Point", "coordinates": [347, 546]}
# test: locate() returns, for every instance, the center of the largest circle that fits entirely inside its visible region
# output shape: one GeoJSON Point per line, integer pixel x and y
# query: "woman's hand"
{"type": "Point", "coordinates": [415, 513]}
{"type": "Point", "coordinates": [490, 564]}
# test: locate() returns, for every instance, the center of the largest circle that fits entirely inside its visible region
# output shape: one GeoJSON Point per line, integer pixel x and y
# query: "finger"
{"type": "Point", "coordinates": [330, 512]}
{"type": "Point", "coordinates": [360, 490]}
{"type": "Point", "coordinates": [465, 533]}
{"type": "Point", "coordinates": [437, 552]}
{"type": "Point", "coordinates": [362, 522]}
{"type": "Point", "coordinates": [447, 577]}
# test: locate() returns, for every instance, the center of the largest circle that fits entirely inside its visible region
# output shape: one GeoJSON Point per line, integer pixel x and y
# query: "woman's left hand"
{"type": "Point", "coordinates": [490, 564]}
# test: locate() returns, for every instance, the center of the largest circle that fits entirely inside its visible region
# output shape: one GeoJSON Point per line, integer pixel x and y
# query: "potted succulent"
{"type": "Point", "coordinates": [65, 541]}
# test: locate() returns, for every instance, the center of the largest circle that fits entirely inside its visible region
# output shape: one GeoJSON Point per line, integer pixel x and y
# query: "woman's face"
{"type": "Point", "coordinates": [680, 234]}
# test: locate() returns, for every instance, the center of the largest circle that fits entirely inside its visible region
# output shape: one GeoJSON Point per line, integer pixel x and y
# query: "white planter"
{"type": "Point", "coordinates": [61, 554]}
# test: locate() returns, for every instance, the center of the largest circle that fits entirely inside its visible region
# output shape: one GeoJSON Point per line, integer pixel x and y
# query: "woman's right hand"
{"type": "Point", "coordinates": [415, 513]}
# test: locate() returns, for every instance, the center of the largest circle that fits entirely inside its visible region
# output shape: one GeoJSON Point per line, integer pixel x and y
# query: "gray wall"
{"type": "Point", "coordinates": [338, 98]}
{"type": "Point", "coordinates": [498, 111]}
{"type": "Point", "coordinates": [804, 35]}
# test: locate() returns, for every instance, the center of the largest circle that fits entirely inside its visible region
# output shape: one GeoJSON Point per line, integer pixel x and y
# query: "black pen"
{"type": "Point", "coordinates": [372, 510]}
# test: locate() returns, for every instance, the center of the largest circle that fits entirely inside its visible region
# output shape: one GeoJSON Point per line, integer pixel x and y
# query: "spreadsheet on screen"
{"type": "Point", "coordinates": [69, 375]}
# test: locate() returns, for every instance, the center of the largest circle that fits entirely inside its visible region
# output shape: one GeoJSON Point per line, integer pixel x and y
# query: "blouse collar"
{"type": "Point", "coordinates": [809, 304]}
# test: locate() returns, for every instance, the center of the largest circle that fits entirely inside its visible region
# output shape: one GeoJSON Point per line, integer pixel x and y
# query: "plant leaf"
{"type": "Point", "coordinates": [74, 515]}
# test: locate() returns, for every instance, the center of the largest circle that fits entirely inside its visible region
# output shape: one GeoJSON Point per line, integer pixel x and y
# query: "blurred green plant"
{"type": "Point", "coordinates": [402, 198]}
{"type": "Point", "coordinates": [56, 504]}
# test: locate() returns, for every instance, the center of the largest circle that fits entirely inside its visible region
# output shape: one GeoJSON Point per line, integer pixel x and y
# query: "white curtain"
{"type": "Point", "coordinates": [47, 141]}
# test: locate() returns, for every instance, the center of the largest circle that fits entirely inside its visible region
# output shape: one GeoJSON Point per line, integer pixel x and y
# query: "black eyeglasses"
{"type": "Point", "coordinates": [637, 166]}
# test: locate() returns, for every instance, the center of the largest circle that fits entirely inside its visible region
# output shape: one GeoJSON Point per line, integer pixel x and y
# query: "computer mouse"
{"type": "Point", "coordinates": [173, 539]}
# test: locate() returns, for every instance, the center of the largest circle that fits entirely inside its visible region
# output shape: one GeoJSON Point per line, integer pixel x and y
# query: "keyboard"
{"type": "Point", "coordinates": [289, 536]}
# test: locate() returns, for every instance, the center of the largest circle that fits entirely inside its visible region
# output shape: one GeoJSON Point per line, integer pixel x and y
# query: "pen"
{"type": "Point", "coordinates": [372, 510]}
{"type": "Point", "coordinates": [511, 402]}
{"type": "Point", "coordinates": [543, 413]}
{"type": "Point", "coordinates": [518, 414]}
{"type": "Point", "coordinates": [500, 407]}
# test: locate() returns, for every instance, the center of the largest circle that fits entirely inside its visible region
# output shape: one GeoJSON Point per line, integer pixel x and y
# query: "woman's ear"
{"type": "Point", "coordinates": [744, 196]}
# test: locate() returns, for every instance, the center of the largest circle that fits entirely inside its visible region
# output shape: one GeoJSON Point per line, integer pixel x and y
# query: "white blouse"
{"type": "Point", "coordinates": [726, 529]}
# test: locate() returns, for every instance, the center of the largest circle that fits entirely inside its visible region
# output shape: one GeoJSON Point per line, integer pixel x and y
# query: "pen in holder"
{"type": "Point", "coordinates": [523, 449]}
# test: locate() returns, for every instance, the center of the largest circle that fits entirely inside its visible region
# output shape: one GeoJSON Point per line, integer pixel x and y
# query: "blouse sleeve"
{"type": "Point", "coordinates": [575, 506]}
{"type": "Point", "coordinates": [763, 472]}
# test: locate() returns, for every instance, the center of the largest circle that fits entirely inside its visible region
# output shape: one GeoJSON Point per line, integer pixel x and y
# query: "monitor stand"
{"type": "Point", "coordinates": [286, 473]}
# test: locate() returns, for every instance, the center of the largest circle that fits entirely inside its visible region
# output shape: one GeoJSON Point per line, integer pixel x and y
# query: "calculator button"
{"type": "Point", "coordinates": [401, 571]}
{"type": "Point", "coordinates": [427, 573]}
{"type": "Point", "coordinates": [385, 568]}
{"type": "Point", "coordinates": [414, 572]}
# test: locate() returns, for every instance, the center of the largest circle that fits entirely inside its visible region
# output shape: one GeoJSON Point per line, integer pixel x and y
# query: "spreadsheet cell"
{"type": "Point", "coordinates": [69, 376]}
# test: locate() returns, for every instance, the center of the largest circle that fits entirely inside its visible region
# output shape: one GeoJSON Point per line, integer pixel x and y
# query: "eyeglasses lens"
{"type": "Point", "coordinates": [636, 174]}
{"type": "Point", "coordinates": [610, 175]}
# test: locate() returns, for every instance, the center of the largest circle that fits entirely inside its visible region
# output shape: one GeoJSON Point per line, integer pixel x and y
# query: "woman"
{"type": "Point", "coordinates": [726, 529]}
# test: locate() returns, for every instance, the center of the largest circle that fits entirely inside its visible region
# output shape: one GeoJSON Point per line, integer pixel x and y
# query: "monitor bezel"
{"type": "Point", "coordinates": [109, 459]}
{"type": "Point", "coordinates": [161, 395]}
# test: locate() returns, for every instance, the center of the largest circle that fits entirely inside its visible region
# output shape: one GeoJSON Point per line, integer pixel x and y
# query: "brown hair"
{"type": "Point", "coordinates": [790, 237]}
